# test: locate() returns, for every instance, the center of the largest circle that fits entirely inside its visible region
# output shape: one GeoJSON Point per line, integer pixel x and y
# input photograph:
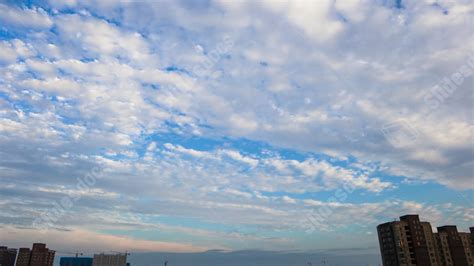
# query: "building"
{"type": "Point", "coordinates": [7, 256]}
{"type": "Point", "coordinates": [471, 229]}
{"type": "Point", "coordinates": [74, 261]}
{"type": "Point", "coordinates": [110, 260]}
{"type": "Point", "coordinates": [454, 247]}
{"type": "Point", "coordinates": [39, 255]}
{"type": "Point", "coordinates": [23, 257]}
{"type": "Point", "coordinates": [411, 242]}
{"type": "Point", "coordinates": [406, 242]}
{"type": "Point", "coordinates": [431, 243]}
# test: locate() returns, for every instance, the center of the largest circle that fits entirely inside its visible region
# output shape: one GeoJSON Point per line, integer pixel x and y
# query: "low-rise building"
{"type": "Point", "coordinates": [75, 261]}
{"type": "Point", "coordinates": [110, 259]}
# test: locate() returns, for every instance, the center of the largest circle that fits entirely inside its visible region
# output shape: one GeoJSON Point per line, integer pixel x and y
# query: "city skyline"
{"type": "Point", "coordinates": [189, 126]}
{"type": "Point", "coordinates": [409, 241]}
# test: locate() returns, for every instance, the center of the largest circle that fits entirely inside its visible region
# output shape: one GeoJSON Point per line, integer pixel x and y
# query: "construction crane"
{"type": "Point", "coordinates": [76, 254]}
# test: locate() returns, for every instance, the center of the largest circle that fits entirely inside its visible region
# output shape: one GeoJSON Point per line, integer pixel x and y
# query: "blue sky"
{"type": "Point", "coordinates": [232, 125]}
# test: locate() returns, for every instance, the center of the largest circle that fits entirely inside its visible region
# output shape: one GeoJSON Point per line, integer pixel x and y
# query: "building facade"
{"type": "Point", "coordinates": [39, 255]}
{"type": "Point", "coordinates": [109, 260]}
{"type": "Point", "coordinates": [455, 248]}
{"type": "Point", "coordinates": [411, 242]}
{"type": "Point", "coordinates": [73, 261]}
{"type": "Point", "coordinates": [23, 257]}
{"type": "Point", "coordinates": [7, 256]}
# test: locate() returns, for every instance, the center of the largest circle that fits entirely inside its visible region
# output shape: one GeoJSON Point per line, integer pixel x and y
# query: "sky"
{"type": "Point", "coordinates": [187, 126]}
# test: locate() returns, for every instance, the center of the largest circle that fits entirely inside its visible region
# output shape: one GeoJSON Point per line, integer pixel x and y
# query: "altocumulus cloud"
{"type": "Point", "coordinates": [287, 107]}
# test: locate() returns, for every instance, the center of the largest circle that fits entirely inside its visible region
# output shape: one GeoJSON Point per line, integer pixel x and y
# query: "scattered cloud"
{"type": "Point", "coordinates": [237, 115]}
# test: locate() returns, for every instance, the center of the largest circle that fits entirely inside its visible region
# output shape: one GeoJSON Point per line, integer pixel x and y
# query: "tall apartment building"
{"type": "Point", "coordinates": [39, 255]}
{"type": "Point", "coordinates": [471, 230]}
{"type": "Point", "coordinates": [411, 242]}
{"type": "Point", "coordinates": [455, 248]}
{"type": "Point", "coordinates": [109, 260]}
{"type": "Point", "coordinates": [7, 256]}
{"type": "Point", "coordinates": [431, 244]}
{"type": "Point", "coordinates": [23, 257]}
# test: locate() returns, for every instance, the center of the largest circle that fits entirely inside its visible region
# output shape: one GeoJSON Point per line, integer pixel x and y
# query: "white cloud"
{"type": "Point", "coordinates": [192, 152]}
{"type": "Point", "coordinates": [102, 38]}
{"type": "Point", "coordinates": [314, 18]}
{"type": "Point", "coordinates": [287, 199]}
{"type": "Point", "coordinates": [235, 155]}
{"type": "Point", "coordinates": [30, 18]}
{"type": "Point", "coordinates": [12, 50]}
{"type": "Point", "coordinates": [317, 78]}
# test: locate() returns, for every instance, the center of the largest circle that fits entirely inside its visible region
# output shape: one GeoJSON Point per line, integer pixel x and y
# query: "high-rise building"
{"type": "Point", "coordinates": [410, 242]}
{"type": "Point", "coordinates": [39, 255]}
{"type": "Point", "coordinates": [431, 243]}
{"type": "Point", "coordinates": [74, 261]}
{"type": "Point", "coordinates": [471, 229]}
{"type": "Point", "coordinates": [23, 257]}
{"type": "Point", "coordinates": [406, 242]}
{"type": "Point", "coordinates": [454, 247]}
{"type": "Point", "coordinates": [7, 256]}
{"type": "Point", "coordinates": [110, 260]}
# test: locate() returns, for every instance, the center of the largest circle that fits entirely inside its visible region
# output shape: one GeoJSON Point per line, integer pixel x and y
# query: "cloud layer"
{"type": "Point", "coordinates": [234, 125]}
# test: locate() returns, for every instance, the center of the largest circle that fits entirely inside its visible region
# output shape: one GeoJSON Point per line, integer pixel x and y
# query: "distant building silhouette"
{"type": "Point", "coordinates": [411, 242]}
{"type": "Point", "coordinates": [39, 255]}
{"type": "Point", "coordinates": [110, 259]}
{"type": "Point", "coordinates": [75, 261]}
{"type": "Point", "coordinates": [7, 256]}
